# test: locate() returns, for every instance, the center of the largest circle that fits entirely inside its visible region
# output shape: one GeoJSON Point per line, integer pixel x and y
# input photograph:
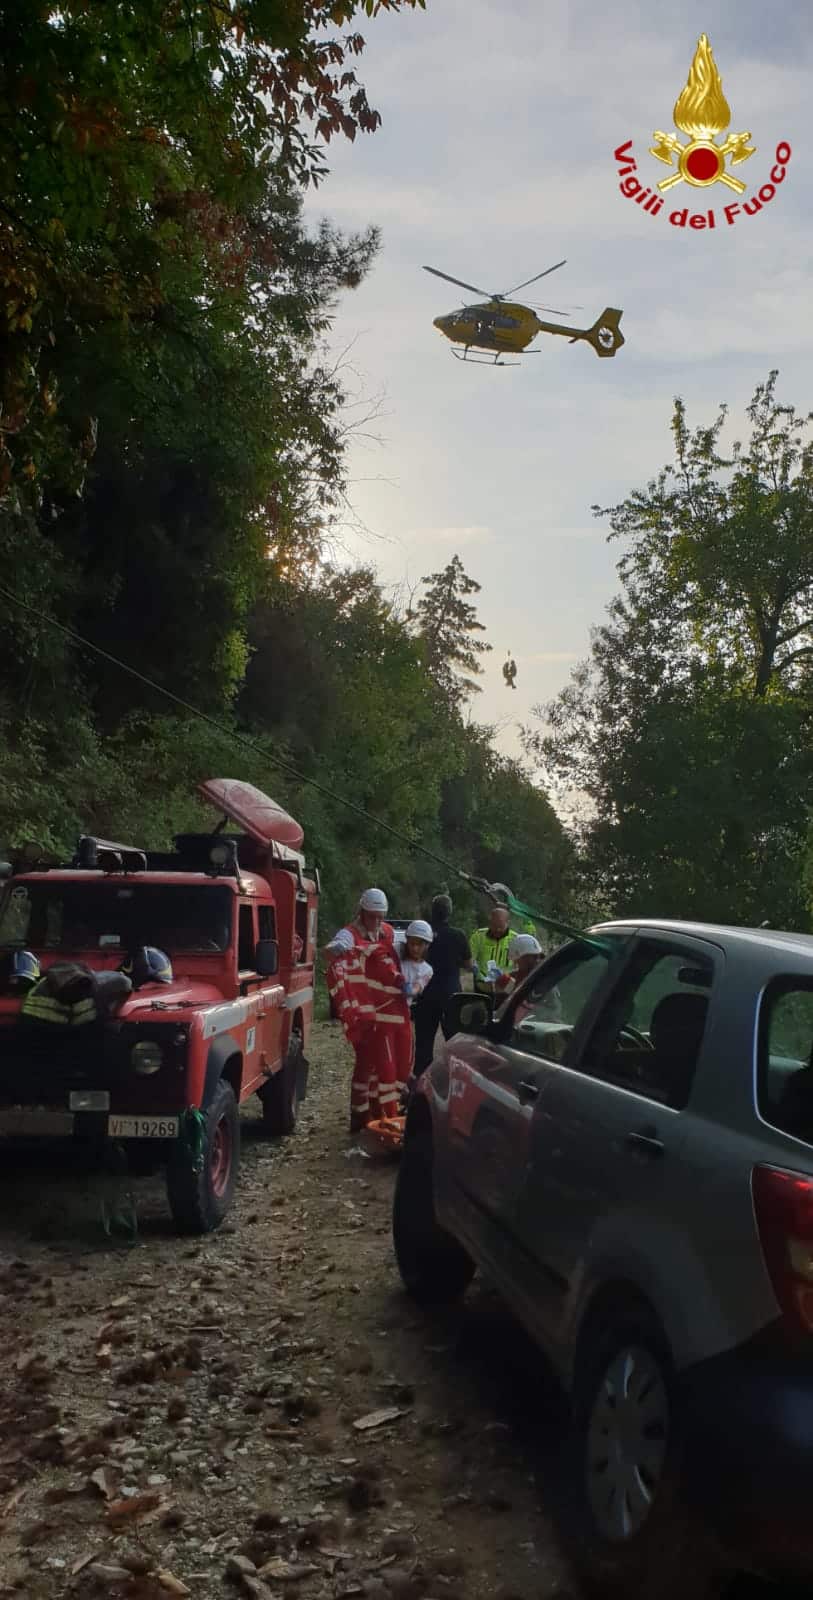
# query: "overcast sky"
{"type": "Point", "coordinates": [494, 160]}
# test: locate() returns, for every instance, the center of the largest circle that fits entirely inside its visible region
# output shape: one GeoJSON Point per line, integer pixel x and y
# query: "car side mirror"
{"type": "Point", "coordinates": [266, 958]}
{"type": "Point", "coordinates": [467, 1013]}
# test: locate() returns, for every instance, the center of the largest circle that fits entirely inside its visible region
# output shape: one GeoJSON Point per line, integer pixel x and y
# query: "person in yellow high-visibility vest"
{"type": "Point", "coordinates": [489, 950]}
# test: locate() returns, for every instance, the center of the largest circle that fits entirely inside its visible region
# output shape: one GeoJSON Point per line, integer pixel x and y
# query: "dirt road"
{"type": "Point", "coordinates": [177, 1415]}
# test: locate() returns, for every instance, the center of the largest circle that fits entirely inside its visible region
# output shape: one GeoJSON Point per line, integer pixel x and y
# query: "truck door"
{"type": "Point", "coordinates": [262, 1049]}
{"type": "Point", "coordinates": [270, 1021]}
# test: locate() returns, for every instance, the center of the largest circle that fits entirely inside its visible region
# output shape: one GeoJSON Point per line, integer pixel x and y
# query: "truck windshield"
{"type": "Point", "coordinates": [113, 916]}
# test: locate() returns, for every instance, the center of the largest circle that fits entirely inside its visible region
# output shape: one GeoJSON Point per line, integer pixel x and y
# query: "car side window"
{"type": "Point", "coordinates": [545, 1017]}
{"type": "Point", "coordinates": [785, 1075]}
{"type": "Point", "coordinates": [648, 1038]}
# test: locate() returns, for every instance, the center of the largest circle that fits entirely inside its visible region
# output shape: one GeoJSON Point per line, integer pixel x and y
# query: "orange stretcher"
{"type": "Point", "coordinates": [386, 1134]}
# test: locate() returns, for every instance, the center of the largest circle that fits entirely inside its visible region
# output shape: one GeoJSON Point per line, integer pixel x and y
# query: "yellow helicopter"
{"type": "Point", "coordinates": [506, 328]}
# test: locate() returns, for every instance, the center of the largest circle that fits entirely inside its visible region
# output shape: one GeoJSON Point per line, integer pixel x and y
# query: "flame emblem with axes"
{"type": "Point", "coordinates": [701, 111]}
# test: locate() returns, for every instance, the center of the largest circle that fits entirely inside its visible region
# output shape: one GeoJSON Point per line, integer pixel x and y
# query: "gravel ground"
{"type": "Point", "coordinates": [180, 1417]}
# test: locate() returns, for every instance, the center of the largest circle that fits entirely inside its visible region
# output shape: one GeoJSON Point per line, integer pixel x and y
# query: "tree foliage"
{"type": "Point", "coordinates": [448, 626]}
{"type": "Point", "coordinates": [165, 424]}
{"type": "Point", "coordinates": [687, 733]}
{"type": "Point", "coordinates": [145, 154]}
{"type": "Point", "coordinates": [172, 446]}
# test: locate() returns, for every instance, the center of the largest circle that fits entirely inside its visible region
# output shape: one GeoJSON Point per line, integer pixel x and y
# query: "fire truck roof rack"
{"type": "Point", "coordinates": [103, 855]}
{"type": "Point", "coordinates": [215, 854]}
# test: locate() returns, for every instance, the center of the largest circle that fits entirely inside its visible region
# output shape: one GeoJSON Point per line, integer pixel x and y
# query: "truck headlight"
{"type": "Point", "coordinates": [146, 1057]}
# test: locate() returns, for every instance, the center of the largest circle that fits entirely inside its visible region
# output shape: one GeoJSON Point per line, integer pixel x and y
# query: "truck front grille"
{"type": "Point", "coordinates": [40, 1065]}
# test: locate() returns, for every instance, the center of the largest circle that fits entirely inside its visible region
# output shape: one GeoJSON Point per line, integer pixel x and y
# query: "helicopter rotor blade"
{"type": "Point", "coordinates": [554, 310]}
{"type": "Point", "coordinates": [539, 275]}
{"type": "Point", "coordinates": [460, 284]}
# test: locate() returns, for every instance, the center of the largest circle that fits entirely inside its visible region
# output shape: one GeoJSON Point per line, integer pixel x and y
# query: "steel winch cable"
{"type": "Point", "coordinates": [416, 845]}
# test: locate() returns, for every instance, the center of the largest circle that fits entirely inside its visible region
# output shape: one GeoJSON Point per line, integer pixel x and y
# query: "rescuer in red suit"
{"type": "Point", "coordinates": [367, 996]}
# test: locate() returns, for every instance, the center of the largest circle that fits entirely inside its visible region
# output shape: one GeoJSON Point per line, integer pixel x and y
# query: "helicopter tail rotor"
{"type": "Point", "coordinates": [605, 335]}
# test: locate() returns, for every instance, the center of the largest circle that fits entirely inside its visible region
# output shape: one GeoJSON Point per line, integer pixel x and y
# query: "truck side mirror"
{"type": "Point", "coordinates": [266, 958]}
{"type": "Point", "coordinates": [467, 1013]}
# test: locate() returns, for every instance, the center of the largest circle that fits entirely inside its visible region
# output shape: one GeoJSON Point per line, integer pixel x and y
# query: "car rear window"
{"type": "Point", "coordinates": [785, 1067]}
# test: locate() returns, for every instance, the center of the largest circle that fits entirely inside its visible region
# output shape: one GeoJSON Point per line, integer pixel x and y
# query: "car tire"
{"type": "Point", "coordinates": [279, 1097]}
{"type": "Point", "coordinates": [625, 1521]}
{"type": "Point", "coordinates": [433, 1266]}
{"type": "Point", "coordinates": [199, 1200]}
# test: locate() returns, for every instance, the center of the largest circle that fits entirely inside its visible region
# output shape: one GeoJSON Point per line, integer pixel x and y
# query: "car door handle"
{"type": "Point", "coordinates": [645, 1143]}
{"type": "Point", "coordinates": [528, 1088]}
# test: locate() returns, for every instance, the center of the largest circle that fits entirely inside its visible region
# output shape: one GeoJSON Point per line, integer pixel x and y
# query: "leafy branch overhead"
{"type": "Point", "coordinates": [151, 157]}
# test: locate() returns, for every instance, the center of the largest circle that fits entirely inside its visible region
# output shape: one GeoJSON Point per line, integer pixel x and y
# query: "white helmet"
{"type": "Point", "coordinates": [523, 944]}
{"type": "Point", "coordinates": [374, 900]}
{"type": "Point", "coordinates": [420, 930]}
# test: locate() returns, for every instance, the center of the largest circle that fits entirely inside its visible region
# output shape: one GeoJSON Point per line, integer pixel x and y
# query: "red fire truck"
{"type": "Point", "coordinates": [163, 1070]}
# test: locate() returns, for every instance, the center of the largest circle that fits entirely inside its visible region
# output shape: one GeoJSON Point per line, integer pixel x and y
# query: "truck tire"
{"type": "Point", "coordinates": [280, 1096]}
{"type": "Point", "coordinates": [434, 1268]}
{"type": "Point", "coordinates": [199, 1201]}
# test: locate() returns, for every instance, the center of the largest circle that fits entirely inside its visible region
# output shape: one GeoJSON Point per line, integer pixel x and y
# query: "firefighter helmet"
{"type": "Point", "coordinates": [374, 900]}
{"type": "Point", "coordinates": [19, 970]}
{"type": "Point", "coordinates": [147, 965]}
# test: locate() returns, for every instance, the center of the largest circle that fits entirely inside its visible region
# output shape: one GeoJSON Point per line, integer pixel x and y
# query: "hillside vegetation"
{"type": "Point", "coordinates": [172, 462]}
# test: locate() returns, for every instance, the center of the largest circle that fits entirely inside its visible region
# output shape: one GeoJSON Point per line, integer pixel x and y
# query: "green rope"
{"type": "Point", "coordinates": [120, 1218]}
{"type": "Point", "coordinates": [520, 909]}
{"type": "Point", "coordinates": [193, 1137]}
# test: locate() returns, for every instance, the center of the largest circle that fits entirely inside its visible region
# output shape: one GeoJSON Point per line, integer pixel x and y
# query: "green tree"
{"type": "Point", "coordinates": [686, 736]}
{"type": "Point", "coordinates": [448, 626]}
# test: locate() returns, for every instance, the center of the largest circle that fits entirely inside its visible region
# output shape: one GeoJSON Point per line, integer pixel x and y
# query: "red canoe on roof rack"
{"type": "Point", "coordinates": [253, 812]}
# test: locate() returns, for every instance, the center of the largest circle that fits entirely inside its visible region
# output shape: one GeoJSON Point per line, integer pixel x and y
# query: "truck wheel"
{"type": "Point", "coordinates": [200, 1200]}
{"type": "Point", "coordinates": [433, 1266]}
{"type": "Point", "coordinates": [280, 1096]}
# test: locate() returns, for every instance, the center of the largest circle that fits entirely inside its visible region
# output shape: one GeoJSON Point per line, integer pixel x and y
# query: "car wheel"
{"type": "Point", "coordinates": [280, 1096]}
{"type": "Point", "coordinates": [433, 1266]}
{"type": "Point", "coordinates": [630, 1530]}
{"type": "Point", "coordinates": [200, 1193]}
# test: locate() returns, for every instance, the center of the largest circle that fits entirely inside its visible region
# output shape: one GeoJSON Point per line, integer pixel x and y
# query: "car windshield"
{"type": "Point", "coordinates": [114, 916]}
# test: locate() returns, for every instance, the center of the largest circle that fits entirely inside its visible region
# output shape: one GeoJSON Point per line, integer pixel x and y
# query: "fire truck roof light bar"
{"type": "Point", "coordinates": [104, 855]}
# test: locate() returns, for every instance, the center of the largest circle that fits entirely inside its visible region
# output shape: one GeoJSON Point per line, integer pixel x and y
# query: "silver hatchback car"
{"type": "Point", "coordinates": [625, 1147]}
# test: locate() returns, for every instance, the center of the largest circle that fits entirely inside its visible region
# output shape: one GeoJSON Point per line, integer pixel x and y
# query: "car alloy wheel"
{"type": "Point", "coordinates": [626, 1442]}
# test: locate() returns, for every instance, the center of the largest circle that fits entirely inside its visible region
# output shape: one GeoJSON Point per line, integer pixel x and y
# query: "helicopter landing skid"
{"type": "Point", "coordinates": [486, 361]}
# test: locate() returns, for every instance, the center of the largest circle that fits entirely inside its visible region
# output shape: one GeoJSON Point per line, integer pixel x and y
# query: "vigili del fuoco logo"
{"type": "Point", "coordinates": [701, 113]}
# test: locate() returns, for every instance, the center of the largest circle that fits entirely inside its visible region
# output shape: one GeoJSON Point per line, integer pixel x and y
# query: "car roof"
{"type": "Point", "coordinates": [720, 932]}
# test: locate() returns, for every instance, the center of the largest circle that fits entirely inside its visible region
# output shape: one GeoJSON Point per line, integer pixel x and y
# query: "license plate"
{"type": "Point", "coordinates": [142, 1127]}
{"type": "Point", "coordinates": [39, 1124]}
{"type": "Point", "coordinates": [89, 1100]}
